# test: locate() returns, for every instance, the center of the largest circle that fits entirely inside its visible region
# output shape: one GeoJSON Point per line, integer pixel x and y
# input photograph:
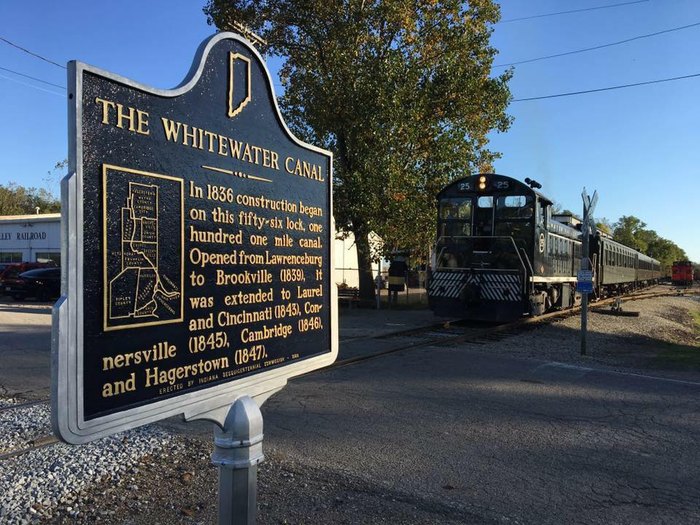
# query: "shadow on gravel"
{"type": "Point", "coordinates": [626, 349]}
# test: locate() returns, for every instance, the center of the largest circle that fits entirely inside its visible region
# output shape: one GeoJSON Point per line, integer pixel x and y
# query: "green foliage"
{"type": "Point", "coordinates": [631, 231]}
{"type": "Point", "coordinates": [18, 200]}
{"type": "Point", "coordinates": [604, 226]}
{"type": "Point", "coordinates": [401, 92]}
{"type": "Point", "coordinates": [628, 231]}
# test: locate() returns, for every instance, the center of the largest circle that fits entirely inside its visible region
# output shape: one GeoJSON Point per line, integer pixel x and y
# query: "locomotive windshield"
{"type": "Point", "coordinates": [456, 209]}
{"type": "Point", "coordinates": [455, 217]}
{"type": "Point", "coordinates": [485, 230]}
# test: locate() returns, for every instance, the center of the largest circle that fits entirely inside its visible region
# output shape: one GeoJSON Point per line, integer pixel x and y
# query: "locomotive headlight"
{"type": "Point", "coordinates": [482, 182]}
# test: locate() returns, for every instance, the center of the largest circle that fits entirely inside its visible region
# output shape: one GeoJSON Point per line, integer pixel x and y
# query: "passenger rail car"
{"type": "Point", "coordinates": [501, 253]}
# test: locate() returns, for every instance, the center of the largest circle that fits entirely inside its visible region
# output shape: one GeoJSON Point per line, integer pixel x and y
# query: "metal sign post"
{"type": "Point", "coordinates": [586, 270]}
{"type": "Point", "coordinates": [237, 452]}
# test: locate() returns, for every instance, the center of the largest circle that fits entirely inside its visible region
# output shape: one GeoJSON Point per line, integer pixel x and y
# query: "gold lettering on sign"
{"type": "Point", "coordinates": [304, 169]}
{"type": "Point", "coordinates": [192, 136]}
{"type": "Point", "coordinates": [122, 117]}
{"type": "Point", "coordinates": [169, 376]}
{"type": "Point", "coordinates": [157, 352]}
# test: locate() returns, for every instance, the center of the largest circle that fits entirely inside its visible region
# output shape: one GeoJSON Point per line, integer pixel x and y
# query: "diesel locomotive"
{"type": "Point", "coordinates": [682, 273]}
{"type": "Point", "coordinates": [502, 253]}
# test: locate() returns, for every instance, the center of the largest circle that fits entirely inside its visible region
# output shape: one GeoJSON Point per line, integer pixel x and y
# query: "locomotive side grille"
{"type": "Point", "coordinates": [492, 286]}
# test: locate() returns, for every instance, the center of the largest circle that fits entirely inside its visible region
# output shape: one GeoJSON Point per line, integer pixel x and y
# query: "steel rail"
{"type": "Point", "coordinates": [475, 334]}
{"type": "Point", "coordinates": [23, 405]}
{"type": "Point", "coordinates": [41, 441]}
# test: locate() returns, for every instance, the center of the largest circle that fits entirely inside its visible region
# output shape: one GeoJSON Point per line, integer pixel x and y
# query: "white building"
{"type": "Point", "coordinates": [345, 271]}
{"type": "Point", "coordinates": [30, 238]}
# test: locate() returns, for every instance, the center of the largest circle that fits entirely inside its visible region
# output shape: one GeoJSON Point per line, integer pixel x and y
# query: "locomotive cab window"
{"type": "Point", "coordinates": [541, 213]}
{"type": "Point", "coordinates": [456, 209]}
{"type": "Point", "coordinates": [514, 219]}
{"type": "Point", "coordinates": [455, 217]}
{"type": "Point", "coordinates": [514, 207]}
{"type": "Point", "coordinates": [485, 202]}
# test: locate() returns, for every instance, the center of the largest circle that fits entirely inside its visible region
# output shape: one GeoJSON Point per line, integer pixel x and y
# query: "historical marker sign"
{"type": "Point", "coordinates": [197, 236]}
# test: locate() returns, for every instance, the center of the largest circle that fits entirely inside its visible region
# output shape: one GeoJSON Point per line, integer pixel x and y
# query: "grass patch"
{"type": "Point", "coordinates": [696, 318]}
{"type": "Point", "coordinates": [681, 356]}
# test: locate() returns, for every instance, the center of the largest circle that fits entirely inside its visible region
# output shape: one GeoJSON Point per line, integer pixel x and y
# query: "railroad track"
{"type": "Point", "coordinates": [22, 405]}
{"type": "Point", "coordinates": [39, 440]}
{"type": "Point", "coordinates": [476, 333]}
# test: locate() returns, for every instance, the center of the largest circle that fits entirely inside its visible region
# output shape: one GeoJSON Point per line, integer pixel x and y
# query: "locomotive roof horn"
{"type": "Point", "coordinates": [533, 183]}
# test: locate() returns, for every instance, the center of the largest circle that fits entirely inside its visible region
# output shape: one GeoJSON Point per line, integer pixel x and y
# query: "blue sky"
{"type": "Point", "coordinates": [638, 147]}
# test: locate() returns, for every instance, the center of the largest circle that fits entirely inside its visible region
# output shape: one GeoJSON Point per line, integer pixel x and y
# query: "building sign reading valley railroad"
{"type": "Point", "coordinates": [198, 235]}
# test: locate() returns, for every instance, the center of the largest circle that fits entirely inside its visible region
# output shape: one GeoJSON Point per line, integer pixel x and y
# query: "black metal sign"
{"type": "Point", "coordinates": [197, 246]}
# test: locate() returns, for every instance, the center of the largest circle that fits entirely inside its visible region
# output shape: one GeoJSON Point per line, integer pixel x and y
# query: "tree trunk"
{"type": "Point", "coordinates": [364, 264]}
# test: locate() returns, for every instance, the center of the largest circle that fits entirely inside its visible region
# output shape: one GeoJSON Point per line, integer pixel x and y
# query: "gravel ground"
{"type": "Point", "coordinates": [55, 480]}
{"type": "Point", "coordinates": [629, 344]}
{"type": "Point", "coordinates": [156, 476]}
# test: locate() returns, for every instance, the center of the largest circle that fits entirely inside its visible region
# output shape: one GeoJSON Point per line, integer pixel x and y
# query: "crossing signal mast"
{"type": "Point", "coordinates": [585, 275]}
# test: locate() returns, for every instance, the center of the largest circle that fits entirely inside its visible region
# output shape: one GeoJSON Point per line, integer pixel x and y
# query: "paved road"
{"type": "Point", "coordinates": [466, 433]}
{"type": "Point", "coordinates": [25, 349]}
{"type": "Point", "coordinates": [502, 438]}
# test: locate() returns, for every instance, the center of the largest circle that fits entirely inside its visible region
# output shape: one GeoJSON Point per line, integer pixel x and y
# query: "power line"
{"type": "Point", "coordinates": [598, 47]}
{"type": "Point", "coordinates": [606, 88]}
{"type": "Point", "coordinates": [33, 78]}
{"type": "Point", "coordinates": [573, 11]}
{"type": "Point", "coordinates": [33, 86]}
{"type": "Point", "coordinates": [32, 53]}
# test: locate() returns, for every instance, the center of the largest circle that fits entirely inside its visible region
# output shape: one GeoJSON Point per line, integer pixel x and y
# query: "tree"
{"type": "Point", "coordinates": [401, 93]}
{"type": "Point", "coordinates": [627, 231]}
{"type": "Point", "coordinates": [18, 200]}
{"type": "Point", "coordinates": [632, 232]}
{"type": "Point", "coordinates": [604, 225]}
{"type": "Point", "coordinates": [54, 176]}
{"type": "Point", "coordinates": [666, 252]}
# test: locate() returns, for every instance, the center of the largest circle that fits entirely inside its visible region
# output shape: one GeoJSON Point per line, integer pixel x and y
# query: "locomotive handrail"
{"type": "Point", "coordinates": [532, 272]}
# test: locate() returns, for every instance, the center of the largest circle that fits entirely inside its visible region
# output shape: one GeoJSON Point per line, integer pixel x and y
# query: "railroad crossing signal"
{"type": "Point", "coordinates": [585, 286]}
{"type": "Point", "coordinates": [589, 205]}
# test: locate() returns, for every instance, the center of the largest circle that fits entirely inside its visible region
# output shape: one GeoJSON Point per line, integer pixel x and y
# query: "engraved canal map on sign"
{"type": "Point", "coordinates": [143, 256]}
